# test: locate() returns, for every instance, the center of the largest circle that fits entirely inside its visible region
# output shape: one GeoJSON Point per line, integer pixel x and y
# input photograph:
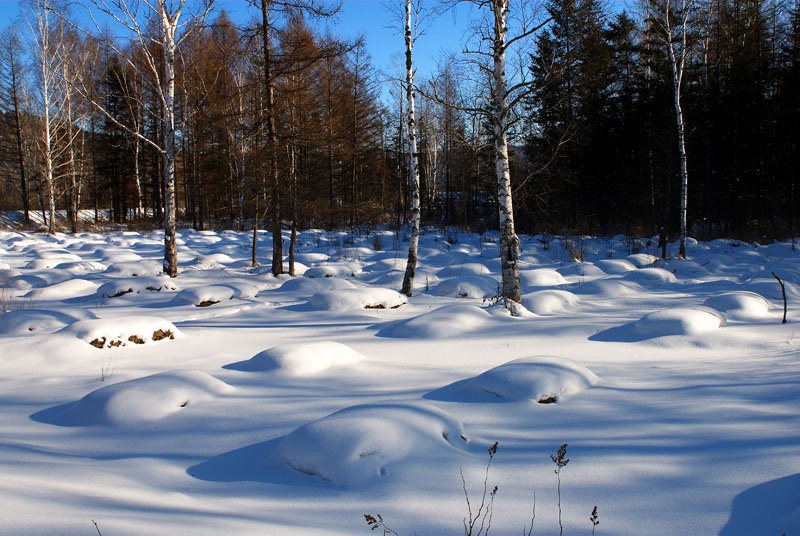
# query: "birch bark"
{"type": "Point", "coordinates": [509, 242]}
{"type": "Point", "coordinates": [413, 165]}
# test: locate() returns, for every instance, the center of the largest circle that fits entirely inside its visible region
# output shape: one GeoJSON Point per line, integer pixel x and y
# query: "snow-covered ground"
{"type": "Point", "coordinates": [228, 401]}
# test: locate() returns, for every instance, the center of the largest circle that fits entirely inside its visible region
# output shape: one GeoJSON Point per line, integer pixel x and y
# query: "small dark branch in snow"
{"type": "Point", "coordinates": [97, 528]}
{"type": "Point", "coordinates": [783, 291]}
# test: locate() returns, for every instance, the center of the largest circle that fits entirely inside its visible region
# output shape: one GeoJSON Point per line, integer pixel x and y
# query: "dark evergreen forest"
{"type": "Point", "coordinates": [594, 147]}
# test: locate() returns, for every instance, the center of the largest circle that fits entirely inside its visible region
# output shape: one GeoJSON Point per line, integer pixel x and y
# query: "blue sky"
{"type": "Point", "coordinates": [368, 17]}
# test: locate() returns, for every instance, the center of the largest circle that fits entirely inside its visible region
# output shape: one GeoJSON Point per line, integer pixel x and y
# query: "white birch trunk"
{"type": "Point", "coordinates": [169, 24]}
{"type": "Point", "coordinates": [678, 63]}
{"type": "Point", "coordinates": [509, 243]}
{"type": "Point", "coordinates": [413, 168]}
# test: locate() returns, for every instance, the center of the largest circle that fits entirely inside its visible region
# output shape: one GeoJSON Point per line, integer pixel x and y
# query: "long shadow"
{"type": "Point", "coordinates": [769, 508]}
{"type": "Point", "coordinates": [624, 333]}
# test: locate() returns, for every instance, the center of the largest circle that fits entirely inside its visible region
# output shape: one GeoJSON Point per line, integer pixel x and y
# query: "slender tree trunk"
{"type": "Point", "coordinates": [509, 243]}
{"type": "Point", "coordinates": [169, 25]}
{"type": "Point", "coordinates": [18, 131]}
{"type": "Point", "coordinates": [413, 165]}
{"type": "Point", "coordinates": [272, 145]}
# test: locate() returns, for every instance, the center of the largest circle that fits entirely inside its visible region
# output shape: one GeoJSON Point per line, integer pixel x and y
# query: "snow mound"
{"type": "Point", "coordinates": [330, 270]}
{"type": "Point", "coordinates": [464, 270]}
{"type": "Point", "coordinates": [770, 289]}
{"type": "Point", "coordinates": [541, 277]}
{"type": "Point", "coordinates": [739, 305]}
{"type": "Point", "coordinates": [609, 287]}
{"type": "Point", "coordinates": [300, 359]}
{"type": "Point", "coordinates": [357, 445]}
{"type": "Point", "coordinates": [307, 287]}
{"type": "Point", "coordinates": [143, 400]}
{"type": "Point", "coordinates": [677, 321]}
{"type": "Point", "coordinates": [581, 269]}
{"type": "Point", "coordinates": [547, 302]}
{"type": "Point", "coordinates": [475, 286]}
{"type": "Point", "coordinates": [28, 321]}
{"type": "Point", "coordinates": [122, 331]}
{"type": "Point", "coordinates": [310, 258]}
{"type": "Point", "coordinates": [214, 260]}
{"type": "Point", "coordinates": [641, 260]}
{"type": "Point", "coordinates": [134, 268]}
{"type": "Point", "coordinates": [206, 295]}
{"type": "Point", "coordinates": [650, 277]}
{"type": "Point", "coordinates": [543, 379]}
{"type": "Point", "coordinates": [119, 256]}
{"type": "Point", "coordinates": [82, 267]}
{"type": "Point", "coordinates": [615, 266]}
{"type": "Point", "coordinates": [384, 265]}
{"type": "Point", "coordinates": [357, 298]}
{"type": "Point", "coordinates": [446, 321]}
{"type": "Point", "coordinates": [120, 287]}
{"type": "Point", "coordinates": [72, 288]}
{"type": "Point", "coordinates": [685, 267]}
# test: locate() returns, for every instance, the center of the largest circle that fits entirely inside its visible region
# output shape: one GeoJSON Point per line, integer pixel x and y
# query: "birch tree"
{"type": "Point", "coordinates": [672, 19]}
{"type": "Point", "coordinates": [165, 34]}
{"type": "Point", "coordinates": [52, 96]}
{"type": "Point", "coordinates": [413, 160]}
{"type": "Point", "coordinates": [497, 109]}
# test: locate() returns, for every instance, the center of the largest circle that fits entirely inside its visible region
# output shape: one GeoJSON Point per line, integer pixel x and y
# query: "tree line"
{"type": "Point", "coordinates": [272, 121]}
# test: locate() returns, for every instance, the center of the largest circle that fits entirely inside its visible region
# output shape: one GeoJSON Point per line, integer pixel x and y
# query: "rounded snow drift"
{"type": "Point", "coordinates": [441, 323]}
{"type": "Point", "coordinates": [33, 321]}
{"type": "Point", "coordinates": [650, 277]}
{"type": "Point", "coordinates": [677, 321]}
{"type": "Point", "coordinates": [475, 286]}
{"type": "Point", "coordinates": [615, 266]}
{"type": "Point", "coordinates": [541, 277]}
{"type": "Point", "coordinates": [358, 298]}
{"type": "Point", "coordinates": [143, 400]}
{"type": "Point", "coordinates": [543, 379]}
{"type": "Point", "coordinates": [739, 305]}
{"type": "Point", "coordinates": [71, 288]}
{"type": "Point", "coordinates": [119, 287]}
{"type": "Point", "coordinates": [122, 331]}
{"type": "Point", "coordinates": [300, 359]}
{"type": "Point", "coordinates": [547, 302]}
{"type": "Point", "coordinates": [360, 444]}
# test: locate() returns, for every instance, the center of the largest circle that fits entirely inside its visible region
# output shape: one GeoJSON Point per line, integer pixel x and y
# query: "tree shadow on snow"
{"type": "Point", "coordinates": [624, 333]}
{"type": "Point", "coordinates": [251, 464]}
{"type": "Point", "coordinates": [769, 508]}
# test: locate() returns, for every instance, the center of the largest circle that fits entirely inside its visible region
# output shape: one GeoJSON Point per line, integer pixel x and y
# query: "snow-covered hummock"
{"type": "Point", "coordinates": [473, 286]}
{"type": "Point", "coordinates": [678, 321]}
{"type": "Point", "coordinates": [447, 321]}
{"type": "Point", "coordinates": [134, 268]}
{"type": "Point", "coordinates": [141, 401]}
{"type": "Point", "coordinates": [36, 321]}
{"type": "Point", "coordinates": [73, 288]}
{"type": "Point", "coordinates": [740, 305]}
{"type": "Point", "coordinates": [357, 298]}
{"type": "Point", "coordinates": [206, 295]}
{"type": "Point", "coordinates": [300, 359]}
{"type": "Point", "coordinates": [119, 287]}
{"type": "Point", "coordinates": [122, 331]}
{"type": "Point", "coordinates": [548, 302]}
{"type": "Point", "coordinates": [543, 379]}
{"type": "Point", "coordinates": [541, 277]}
{"type": "Point", "coordinates": [361, 444]}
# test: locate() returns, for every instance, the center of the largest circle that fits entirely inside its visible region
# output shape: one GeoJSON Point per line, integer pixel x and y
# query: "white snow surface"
{"type": "Point", "coordinates": [544, 379]}
{"type": "Point", "coordinates": [300, 359]}
{"type": "Point", "coordinates": [294, 406]}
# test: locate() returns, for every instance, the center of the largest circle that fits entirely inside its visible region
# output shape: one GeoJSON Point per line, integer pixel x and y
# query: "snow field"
{"type": "Point", "coordinates": [296, 405]}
